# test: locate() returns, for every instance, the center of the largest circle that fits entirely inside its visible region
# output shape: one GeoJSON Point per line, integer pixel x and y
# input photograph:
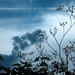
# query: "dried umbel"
{"type": "Point", "coordinates": [63, 24]}
{"type": "Point", "coordinates": [71, 9]}
{"type": "Point", "coordinates": [54, 31]}
{"type": "Point", "coordinates": [60, 7]}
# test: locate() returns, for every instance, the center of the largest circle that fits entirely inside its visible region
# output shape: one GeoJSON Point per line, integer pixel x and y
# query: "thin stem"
{"type": "Point", "coordinates": [54, 50]}
{"type": "Point", "coordinates": [56, 40]}
{"type": "Point", "coordinates": [67, 62]}
{"type": "Point", "coordinates": [60, 51]}
{"type": "Point", "coordinates": [58, 46]}
{"type": "Point", "coordinates": [66, 13]}
{"type": "Point", "coordinates": [69, 17]}
{"type": "Point", "coordinates": [50, 46]}
{"type": "Point", "coordinates": [66, 33]}
{"type": "Point", "coordinates": [69, 28]}
{"type": "Point", "coordinates": [70, 21]}
{"type": "Point", "coordinates": [63, 30]}
{"type": "Point", "coordinates": [64, 36]}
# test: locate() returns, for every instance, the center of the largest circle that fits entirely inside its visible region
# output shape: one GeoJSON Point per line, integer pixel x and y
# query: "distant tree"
{"type": "Point", "coordinates": [4, 70]}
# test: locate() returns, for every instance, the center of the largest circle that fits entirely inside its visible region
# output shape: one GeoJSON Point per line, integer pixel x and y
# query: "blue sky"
{"type": "Point", "coordinates": [35, 3]}
{"type": "Point", "coordinates": [18, 17]}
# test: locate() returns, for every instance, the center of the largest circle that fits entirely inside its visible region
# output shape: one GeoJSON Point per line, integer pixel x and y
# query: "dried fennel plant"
{"type": "Point", "coordinates": [70, 11]}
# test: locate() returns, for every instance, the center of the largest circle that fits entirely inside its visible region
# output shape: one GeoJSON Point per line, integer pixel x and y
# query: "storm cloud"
{"type": "Point", "coordinates": [20, 43]}
{"type": "Point", "coordinates": [25, 41]}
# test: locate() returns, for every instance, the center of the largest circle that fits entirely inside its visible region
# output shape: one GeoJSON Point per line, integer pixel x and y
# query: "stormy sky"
{"type": "Point", "coordinates": [19, 19]}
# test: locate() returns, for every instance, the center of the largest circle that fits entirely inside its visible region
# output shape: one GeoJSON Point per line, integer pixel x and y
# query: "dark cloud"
{"type": "Point", "coordinates": [22, 42]}
{"type": "Point", "coordinates": [9, 60]}
{"type": "Point", "coordinates": [19, 44]}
